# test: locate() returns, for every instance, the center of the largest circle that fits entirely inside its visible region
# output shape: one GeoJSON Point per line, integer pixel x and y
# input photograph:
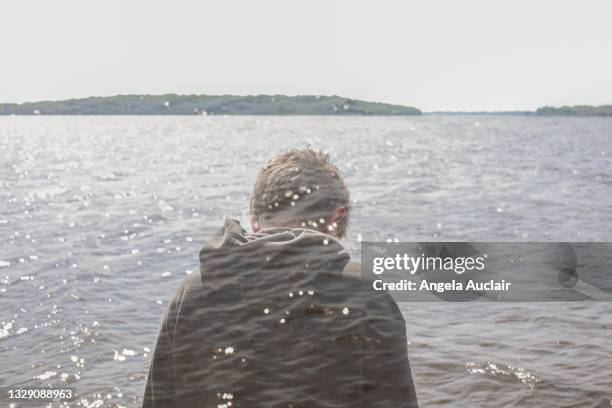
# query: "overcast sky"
{"type": "Point", "coordinates": [433, 54]}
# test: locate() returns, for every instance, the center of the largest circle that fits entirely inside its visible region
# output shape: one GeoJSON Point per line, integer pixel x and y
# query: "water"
{"type": "Point", "coordinates": [101, 217]}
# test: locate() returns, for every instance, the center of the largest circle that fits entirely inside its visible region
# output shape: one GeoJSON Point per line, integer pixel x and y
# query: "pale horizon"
{"type": "Point", "coordinates": [434, 55]}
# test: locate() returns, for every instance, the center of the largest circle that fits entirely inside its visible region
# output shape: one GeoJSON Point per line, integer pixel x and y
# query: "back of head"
{"type": "Point", "coordinates": [301, 188]}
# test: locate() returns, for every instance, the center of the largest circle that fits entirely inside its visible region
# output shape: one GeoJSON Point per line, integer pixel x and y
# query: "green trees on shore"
{"type": "Point", "coordinates": [172, 104]}
{"type": "Point", "coordinates": [579, 110]}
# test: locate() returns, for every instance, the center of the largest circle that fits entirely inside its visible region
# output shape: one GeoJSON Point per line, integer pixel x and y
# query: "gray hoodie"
{"type": "Point", "coordinates": [271, 320]}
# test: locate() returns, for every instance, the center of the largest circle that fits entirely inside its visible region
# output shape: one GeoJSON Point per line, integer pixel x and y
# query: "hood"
{"type": "Point", "coordinates": [276, 250]}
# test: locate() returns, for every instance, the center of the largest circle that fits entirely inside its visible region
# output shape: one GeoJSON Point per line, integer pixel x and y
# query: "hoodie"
{"type": "Point", "coordinates": [273, 320]}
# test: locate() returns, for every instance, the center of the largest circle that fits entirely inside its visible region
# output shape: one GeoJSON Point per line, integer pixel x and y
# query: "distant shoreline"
{"type": "Point", "coordinates": [257, 105]}
{"type": "Point", "coordinates": [172, 104]}
{"type": "Point", "coordinates": [577, 110]}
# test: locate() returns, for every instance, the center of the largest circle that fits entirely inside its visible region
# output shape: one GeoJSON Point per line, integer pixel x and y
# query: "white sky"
{"type": "Point", "coordinates": [432, 54]}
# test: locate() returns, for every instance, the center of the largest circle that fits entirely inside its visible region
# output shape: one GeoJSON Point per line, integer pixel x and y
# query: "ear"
{"type": "Point", "coordinates": [337, 216]}
{"type": "Point", "coordinates": [255, 225]}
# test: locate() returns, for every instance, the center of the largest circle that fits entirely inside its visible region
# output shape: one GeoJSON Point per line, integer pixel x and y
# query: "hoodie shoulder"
{"type": "Point", "coordinates": [192, 283]}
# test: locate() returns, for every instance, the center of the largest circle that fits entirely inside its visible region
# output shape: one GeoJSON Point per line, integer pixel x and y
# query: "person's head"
{"type": "Point", "coordinates": [301, 188]}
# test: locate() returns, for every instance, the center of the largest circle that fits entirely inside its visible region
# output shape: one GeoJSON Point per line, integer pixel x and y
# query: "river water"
{"type": "Point", "coordinates": [101, 217]}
